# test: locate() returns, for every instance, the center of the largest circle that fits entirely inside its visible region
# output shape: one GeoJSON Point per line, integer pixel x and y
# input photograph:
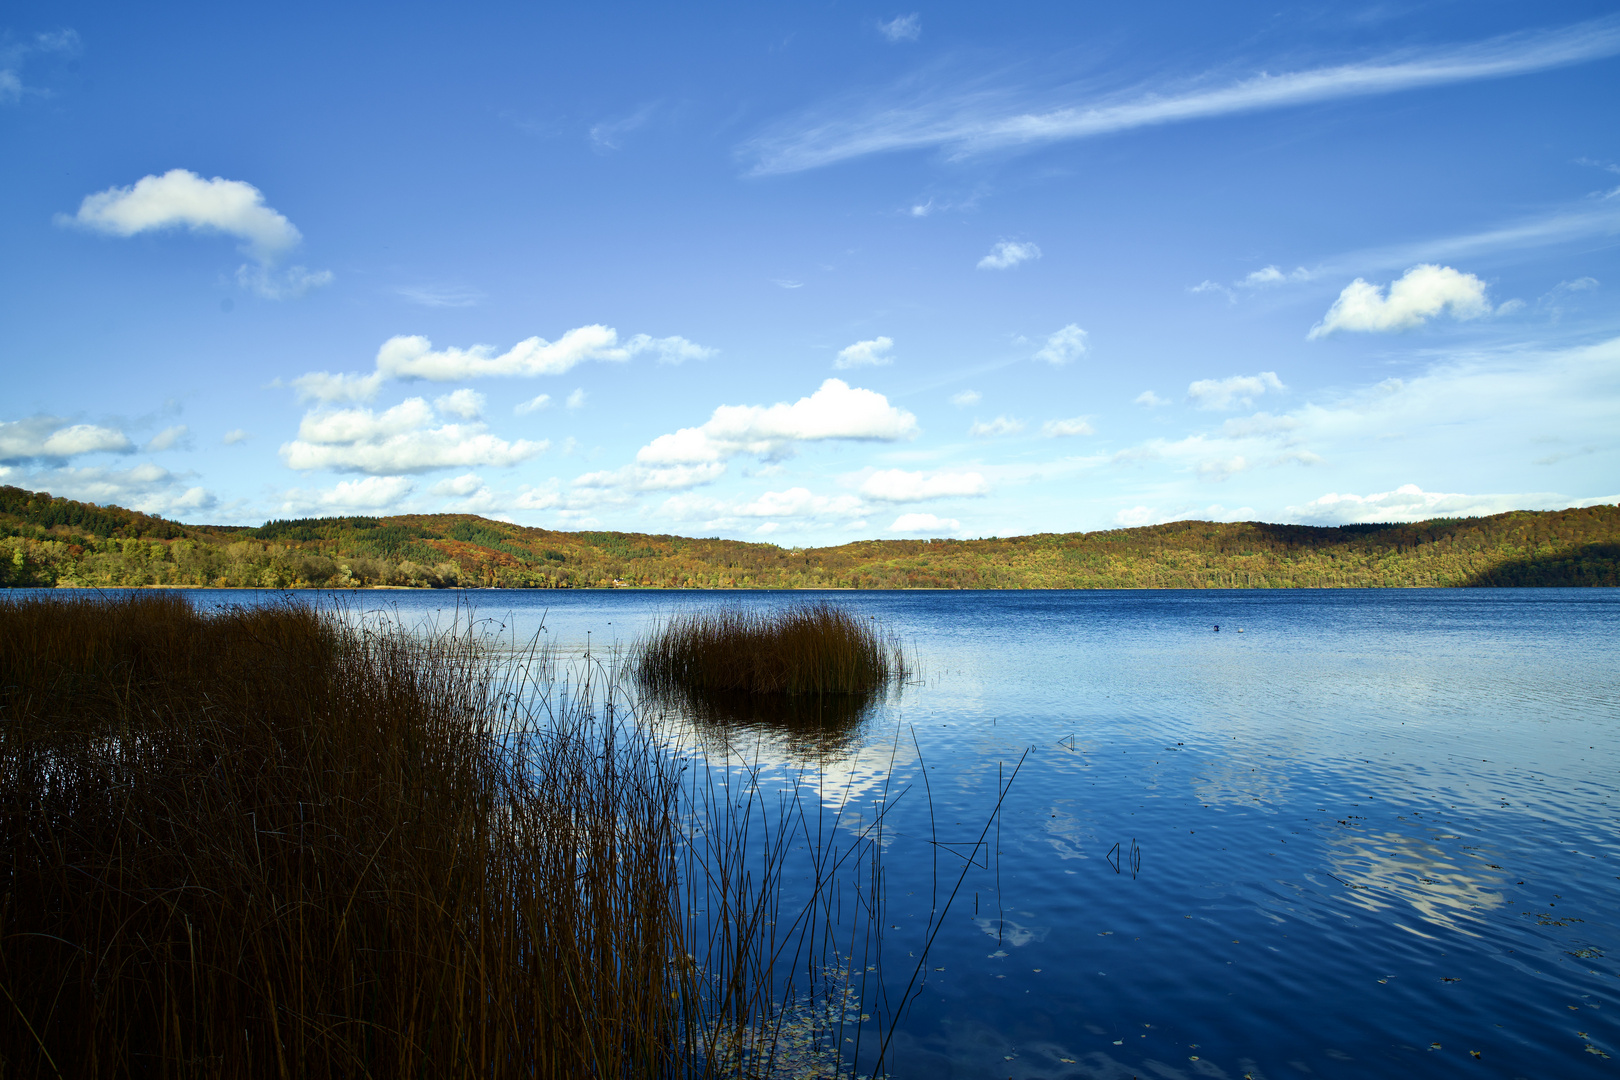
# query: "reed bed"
{"type": "Point", "coordinates": [807, 649]}
{"type": "Point", "coordinates": [275, 843]}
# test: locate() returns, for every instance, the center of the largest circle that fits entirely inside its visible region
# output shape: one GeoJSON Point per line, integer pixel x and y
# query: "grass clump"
{"type": "Point", "coordinates": [807, 649]}
{"type": "Point", "coordinates": [273, 843]}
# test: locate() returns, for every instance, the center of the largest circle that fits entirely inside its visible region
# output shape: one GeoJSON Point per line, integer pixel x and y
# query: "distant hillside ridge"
{"type": "Point", "coordinates": [47, 541]}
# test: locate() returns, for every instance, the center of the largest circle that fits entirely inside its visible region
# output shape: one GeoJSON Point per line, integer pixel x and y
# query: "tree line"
{"type": "Point", "coordinates": [47, 541]}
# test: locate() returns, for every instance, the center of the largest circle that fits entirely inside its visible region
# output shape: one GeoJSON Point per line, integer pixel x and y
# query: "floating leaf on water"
{"type": "Point", "coordinates": [1434, 1046]}
{"type": "Point", "coordinates": [1474, 1052]}
{"type": "Point", "coordinates": [1590, 1049]}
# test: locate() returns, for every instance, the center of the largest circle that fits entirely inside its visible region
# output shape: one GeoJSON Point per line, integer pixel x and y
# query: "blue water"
{"type": "Point", "coordinates": [1371, 834]}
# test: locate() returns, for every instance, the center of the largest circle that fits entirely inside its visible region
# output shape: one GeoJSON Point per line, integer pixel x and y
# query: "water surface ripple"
{"type": "Point", "coordinates": [1374, 833]}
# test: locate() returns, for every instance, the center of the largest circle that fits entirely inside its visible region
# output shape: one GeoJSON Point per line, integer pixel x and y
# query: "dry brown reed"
{"type": "Point", "coordinates": [816, 648]}
{"type": "Point", "coordinates": [275, 843]}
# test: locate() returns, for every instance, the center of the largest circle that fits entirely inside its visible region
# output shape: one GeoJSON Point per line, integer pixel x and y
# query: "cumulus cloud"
{"type": "Point", "coordinates": [371, 493]}
{"type": "Point", "coordinates": [799, 502]}
{"type": "Point", "coordinates": [1057, 429]}
{"type": "Point", "coordinates": [465, 403]}
{"type": "Point", "coordinates": [668, 350]}
{"type": "Point", "coordinates": [1150, 399]}
{"type": "Point", "coordinates": [465, 484]}
{"type": "Point", "coordinates": [925, 523]}
{"type": "Point", "coordinates": [408, 357]}
{"type": "Point", "coordinates": [180, 199]}
{"type": "Point", "coordinates": [540, 401]}
{"type": "Point", "coordinates": [324, 386]}
{"type": "Point", "coordinates": [658, 477]}
{"type": "Point", "coordinates": [167, 439]}
{"type": "Point", "coordinates": [835, 411]}
{"type": "Point", "coordinates": [1417, 296]}
{"type": "Point", "coordinates": [149, 488]}
{"type": "Point", "coordinates": [902, 28]}
{"type": "Point", "coordinates": [966, 397]}
{"type": "Point", "coordinates": [402, 439]}
{"type": "Point", "coordinates": [576, 400]}
{"type": "Point", "coordinates": [1001, 425]}
{"type": "Point", "coordinates": [1008, 254]}
{"type": "Point", "coordinates": [49, 437]}
{"type": "Point", "coordinates": [1063, 346]}
{"type": "Point", "coordinates": [234, 436]}
{"type": "Point", "coordinates": [1231, 392]}
{"type": "Point", "coordinates": [865, 354]}
{"type": "Point", "coordinates": [1410, 503]}
{"type": "Point", "coordinates": [899, 485]}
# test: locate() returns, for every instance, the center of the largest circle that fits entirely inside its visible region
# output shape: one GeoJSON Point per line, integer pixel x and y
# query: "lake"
{"type": "Point", "coordinates": [1350, 833]}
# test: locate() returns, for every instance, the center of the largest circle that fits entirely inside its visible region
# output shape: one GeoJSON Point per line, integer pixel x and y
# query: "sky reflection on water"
{"type": "Point", "coordinates": [1377, 829]}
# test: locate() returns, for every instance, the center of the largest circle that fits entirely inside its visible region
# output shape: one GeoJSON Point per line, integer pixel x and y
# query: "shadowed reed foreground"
{"type": "Point", "coordinates": [806, 649]}
{"type": "Point", "coordinates": [273, 843]}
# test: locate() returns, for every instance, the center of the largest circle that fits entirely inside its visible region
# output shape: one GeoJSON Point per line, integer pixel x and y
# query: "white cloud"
{"type": "Point", "coordinates": [1231, 392]}
{"type": "Point", "coordinates": [167, 438]}
{"type": "Point", "coordinates": [1150, 399]}
{"type": "Point", "coordinates": [538, 402]}
{"type": "Point", "coordinates": [1008, 254]}
{"type": "Point", "coordinates": [924, 523]}
{"type": "Point", "coordinates": [787, 283]}
{"type": "Point", "coordinates": [835, 411]}
{"type": "Point", "coordinates": [800, 502]}
{"type": "Point", "coordinates": [1411, 503]}
{"type": "Point", "coordinates": [409, 357]}
{"type": "Point", "coordinates": [899, 485]}
{"type": "Point", "coordinates": [668, 350]}
{"type": "Point", "coordinates": [1001, 425]}
{"type": "Point", "coordinates": [975, 120]}
{"type": "Point", "coordinates": [235, 435]}
{"type": "Point", "coordinates": [576, 400]}
{"type": "Point", "coordinates": [399, 440]}
{"type": "Point", "coordinates": [1060, 428]}
{"type": "Point", "coordinates": [1270, 275]}
{"type": "Point", "coordinates": [50, 437]}
{"type": "Point", "coordinates": [324, 386]}
{"type": "Point", "coordinates": [1218, 469]}
{"type": "Point", "coordinates": [1421, 293]}
{"type": "Point", "coordinates": [463, 485]}
{"type": "Point", "coordinates": [865, 354]}
{"type": "Point", "coordinates": [902, 28]}
{"type": "Point", "coordinates": [289, 284]}
{"type": "Point", "coordinates": [674, 477]}
{"type": "Point", "coordinates": [413, 356]}
{"type": "Point", "coordinates": [465, 403]}
{"type": "Point", "coordinates": [966, 398]}
{"type": "Point", "coordinates": [368, 494]}
{"type": "Point", "coordinates": [1063, 346]}
{"type": "Point", "coordinates": [1136, 516]}
{"type": "Point", "coordinates": [182, 199]}
{"type": "Point", "coordinates": [148, 488]}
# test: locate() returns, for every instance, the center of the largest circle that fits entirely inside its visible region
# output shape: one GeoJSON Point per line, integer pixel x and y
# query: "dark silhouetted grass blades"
{"type": "Point", "coordinates": [276, 843]}
{"type": "Point", "coordinates": [806, 649]}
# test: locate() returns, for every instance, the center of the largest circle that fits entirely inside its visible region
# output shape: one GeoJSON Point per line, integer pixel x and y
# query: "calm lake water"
{"type": "Point", "coordinates": [1373, 834]}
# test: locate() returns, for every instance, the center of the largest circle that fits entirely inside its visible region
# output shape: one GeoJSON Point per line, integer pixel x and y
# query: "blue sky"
{"type": "Point", "coordinates": [812, 273]}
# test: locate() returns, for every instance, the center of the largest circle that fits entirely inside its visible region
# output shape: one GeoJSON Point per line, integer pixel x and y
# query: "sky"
{"type": "Point", "coordinates": [812, 273]}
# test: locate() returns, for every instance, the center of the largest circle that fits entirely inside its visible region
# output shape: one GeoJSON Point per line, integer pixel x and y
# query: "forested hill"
{"type": "Point", "coordinates": [51, 541]}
